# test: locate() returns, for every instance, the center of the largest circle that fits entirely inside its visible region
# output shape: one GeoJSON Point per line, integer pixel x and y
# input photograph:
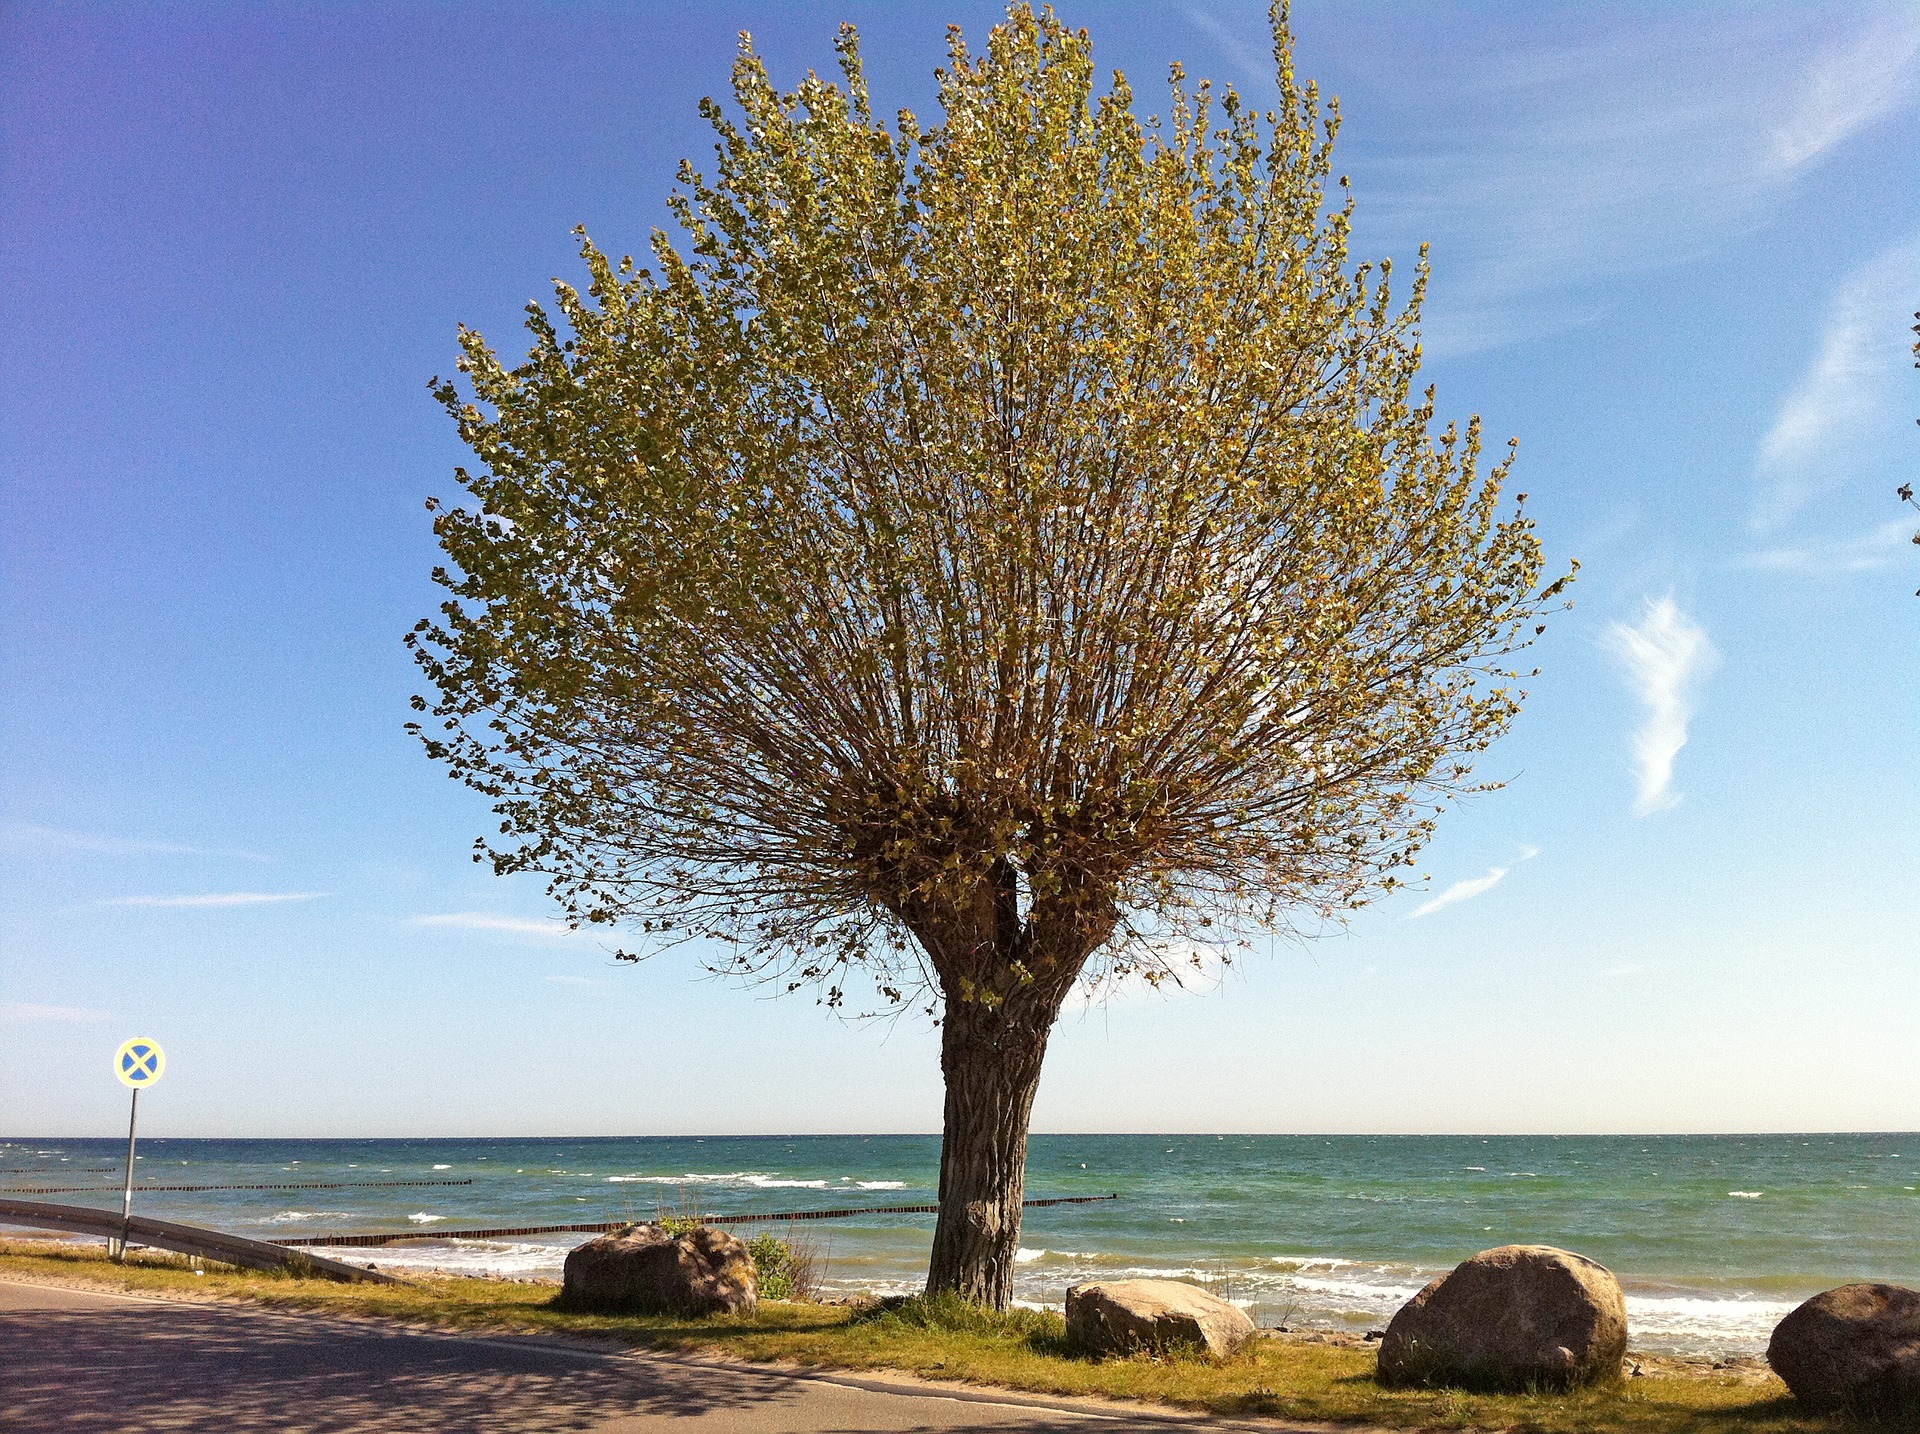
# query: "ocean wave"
{"type": "Point", "coordinates": [1745, 1194]}
{"type": "Point", "coordinates": [466, 1257]}
{"type": "Point", "coordinates": [1688, 1324]}
{"type": "Point", "coordinates": [880, 1184]}
{"type": "Point", "coordinates": [288, 1217]}
{"type": "Point", "coordinates": [423, 1218]}
{"type": "Point", "coordinates": [753, 1178]}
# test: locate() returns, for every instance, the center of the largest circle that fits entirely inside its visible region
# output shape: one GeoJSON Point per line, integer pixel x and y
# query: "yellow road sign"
{"type": "Point", "coordinates": [139, 1063]}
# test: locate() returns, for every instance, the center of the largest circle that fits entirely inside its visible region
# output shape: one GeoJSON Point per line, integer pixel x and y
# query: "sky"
{"type": "Point", "coordinates": [1675, 249]}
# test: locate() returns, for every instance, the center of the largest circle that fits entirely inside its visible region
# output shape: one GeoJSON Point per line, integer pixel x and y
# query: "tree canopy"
{"type": "Point", "coordinates": [983, 556]}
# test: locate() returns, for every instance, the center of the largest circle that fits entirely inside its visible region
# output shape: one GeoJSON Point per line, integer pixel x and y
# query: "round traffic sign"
{"type": "Point", "coordinates": [139, 1063]}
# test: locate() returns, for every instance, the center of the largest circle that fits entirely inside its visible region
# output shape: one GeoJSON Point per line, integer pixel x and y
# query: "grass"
{"type": "Point", "coordinates": [1023, 1350]}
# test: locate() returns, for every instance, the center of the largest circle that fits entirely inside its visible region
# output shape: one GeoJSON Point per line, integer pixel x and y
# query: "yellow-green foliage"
{"type": "Point", "coordinates": [1032, 513]}
{"type": "Point", "coordinates": [772, 1266]}
{"type": "Point", "coordinates": [947, 1338]}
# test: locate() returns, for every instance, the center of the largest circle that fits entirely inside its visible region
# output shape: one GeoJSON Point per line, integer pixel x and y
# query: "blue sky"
{"type": "Point", "coordinates": [1675, 250]}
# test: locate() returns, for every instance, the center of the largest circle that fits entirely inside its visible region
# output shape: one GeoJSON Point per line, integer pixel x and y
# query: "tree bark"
{"type": "Point", "coordinates": [991, 1057]}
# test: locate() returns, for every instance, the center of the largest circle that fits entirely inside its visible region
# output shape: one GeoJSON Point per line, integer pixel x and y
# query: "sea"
{"type": "Point", "coordinates": [1714, 1238]}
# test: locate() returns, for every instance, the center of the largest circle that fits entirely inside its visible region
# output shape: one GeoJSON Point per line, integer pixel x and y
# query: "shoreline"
{"type": "Point", "coordinates": [114, 1278]}
{"type": "Point", "coordinates": [1314, 1379]}
{"type": "Point", "coordinates": [1642, 1358]}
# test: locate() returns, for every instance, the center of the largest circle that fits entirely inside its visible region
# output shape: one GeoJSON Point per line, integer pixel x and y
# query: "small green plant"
{"type": "Point", "coordinates": [770, 1255]}
{"type": "Point", "coordinates": [788, 1269]}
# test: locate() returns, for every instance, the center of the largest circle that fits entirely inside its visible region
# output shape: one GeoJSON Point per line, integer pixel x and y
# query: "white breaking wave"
{"type": "Point", "coordinates": [1695, 1325]}
{"type": "Point", "coordinates": [1745, 1194]}
{"type": "Point", "coordinates": [467, 1257]}
{"type": "Point", "coordinates": [423, 1218]}
{"type": "Point", "coordinates": [881, 1184]}
{"type": "Point", "coordinates": [751, 1178]}
{"type": "Point", "coordinates": [288, 1217]}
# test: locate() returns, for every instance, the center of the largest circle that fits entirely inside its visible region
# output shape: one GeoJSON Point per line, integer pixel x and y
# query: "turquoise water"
{"type": "Point", "coordinates": [1714, 1237]}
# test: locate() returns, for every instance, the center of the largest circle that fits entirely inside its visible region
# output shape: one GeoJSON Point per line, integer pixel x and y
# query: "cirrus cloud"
{"type": "Point", "coordinates": [217, 898]}
{"type": "Point", "coordinates": [1664, 657]}
{"type": "Point", "coordinates": [1465, 890]}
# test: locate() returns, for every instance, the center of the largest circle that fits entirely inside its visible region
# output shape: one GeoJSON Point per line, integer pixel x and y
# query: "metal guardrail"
{"type": "Point", "coordinates": [394, 1237]}
{"type": "Point", "coordinates": [181, 1239]}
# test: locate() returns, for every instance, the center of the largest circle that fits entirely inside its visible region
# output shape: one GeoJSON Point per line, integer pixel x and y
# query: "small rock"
{"type": "Point", "coordinates": [648, 1271]}
{"type": "Point", "coordinates": [1519, 1317]}
{"type": "Point", "coordinates": [1122, 1316]}
{"type": "Point", "coordinates": [1857, 1346]}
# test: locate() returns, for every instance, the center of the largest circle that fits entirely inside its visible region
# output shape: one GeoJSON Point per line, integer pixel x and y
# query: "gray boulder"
{"type": "Point", "coordinates": [645, 1270]}
{"type": "Point", "coordinates": [1122, 1316]}
{"type": "Point", "coordinates": [1854, 1347]}
{"type": "Point", "coordinates": [1519, 1317]}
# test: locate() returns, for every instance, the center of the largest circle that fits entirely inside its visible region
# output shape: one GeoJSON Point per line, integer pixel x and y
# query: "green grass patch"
{"type": "Point", "coordinates": [1023, 1350]}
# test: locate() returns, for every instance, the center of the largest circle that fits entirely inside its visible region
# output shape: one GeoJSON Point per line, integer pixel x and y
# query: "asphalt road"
{"type": "Point", "coordinates": [72, 1360]}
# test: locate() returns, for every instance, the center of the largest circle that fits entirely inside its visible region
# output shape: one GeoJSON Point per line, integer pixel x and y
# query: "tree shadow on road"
{"type": "Point", "coordinates": [139, 1368]}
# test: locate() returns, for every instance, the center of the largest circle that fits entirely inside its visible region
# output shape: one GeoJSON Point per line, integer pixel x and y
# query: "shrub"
{"type": "Point", "coordinates": [787, 1269]}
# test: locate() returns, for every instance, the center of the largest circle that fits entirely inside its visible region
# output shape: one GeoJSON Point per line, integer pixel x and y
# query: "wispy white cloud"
{"type": "Point", "coordinates": [1252, 62]}
{"type": "Point", "coordinates": [31, 836]}
{"type": "Point", "coordinates": [1664, 657]}
{"type": "Point", "coordinates": [1186, 967]}
{"type": "Point", "coordinates": [1627, 143]}
{"type": "Point", "coordinates": [1464, 891]}
{"type": "Point", "coordinates": [486, 921]}
{"type": "Point", "coordinates": [1863, 553]}
{"type": "Point", "coordinates": [15, 1012]}
{"type": "Point", "coordinates": [218, 898]}
{"type": "Point", "coordinates": [1850, 85]}
{"type": "Point", "coordinates": [1845, 407]}
{"type": "Point", "coordinates": [1471, 887]}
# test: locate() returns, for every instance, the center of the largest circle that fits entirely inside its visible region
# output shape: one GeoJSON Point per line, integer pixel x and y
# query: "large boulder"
{"type": "Point", "coordinates": [1519, 1317]}
{"type": "Point", "coordinates": [1857, 1346]}
{"type": "Point", "coordinates": [1122, 1316]}
{"type": "Point", "coordinates": [647, 1270]}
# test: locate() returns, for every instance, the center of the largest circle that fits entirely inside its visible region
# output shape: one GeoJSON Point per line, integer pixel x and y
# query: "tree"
{"type": "Point", "coordinates": [986, 559]}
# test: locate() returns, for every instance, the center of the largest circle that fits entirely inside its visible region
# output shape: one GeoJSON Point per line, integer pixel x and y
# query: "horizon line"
{"type": "Point", "coordinates": [1061, 1134]}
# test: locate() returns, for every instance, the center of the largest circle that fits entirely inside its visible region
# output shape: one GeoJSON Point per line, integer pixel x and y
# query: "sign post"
{"type": "Point", "coordinates": [139, 1063]}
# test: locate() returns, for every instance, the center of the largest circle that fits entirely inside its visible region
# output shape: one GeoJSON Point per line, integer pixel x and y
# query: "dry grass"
{"type": "Point", "coordinates": [1296, 1378]}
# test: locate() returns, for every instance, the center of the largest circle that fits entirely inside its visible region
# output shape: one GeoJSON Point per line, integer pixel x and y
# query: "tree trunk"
{"type": "Point", "coordinates": [991, 1057]}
